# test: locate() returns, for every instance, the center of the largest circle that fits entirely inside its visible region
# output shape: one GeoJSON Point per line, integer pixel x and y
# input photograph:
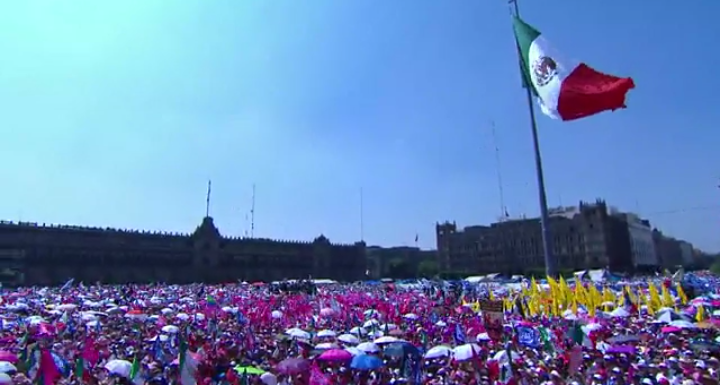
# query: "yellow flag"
{"type": "Point", "coordinates": [667, 299]}
{"type": "Point", "coordinates": [681, 294]}
{"type": "Point", "coordinates": [700, 315]}
{"type": "Point", "coordinates": [491, 296]}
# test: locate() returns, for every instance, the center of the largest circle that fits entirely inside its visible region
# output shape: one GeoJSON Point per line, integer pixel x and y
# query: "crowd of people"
{"type": "Point", "coordinates": [634, 331]}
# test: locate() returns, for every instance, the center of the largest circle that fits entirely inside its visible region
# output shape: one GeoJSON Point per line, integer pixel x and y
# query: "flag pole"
{"type": "Point", "coordinates": [550, 267]}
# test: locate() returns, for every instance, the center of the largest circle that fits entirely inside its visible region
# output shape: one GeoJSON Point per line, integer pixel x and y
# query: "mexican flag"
{"type": "Point", "coordinates": [566, 90]}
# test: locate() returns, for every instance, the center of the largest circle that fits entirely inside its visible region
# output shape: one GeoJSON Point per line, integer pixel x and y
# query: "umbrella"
{"type": "Point", "coordinates": [354, 351]}
{"type": "Point", "coordinates": [438, 352]}
{"type": "Point", "coordinates": [368, 347]}
{"type": "Point", "coordinates": [326, 346]}
{"type": "Point", "coordinates": [268, 378]}
{"type": "Point", "coordinates": [248, 370]}
{"type": "Point", "coordinates": [298, 333]}
{"type": "Point", "coordinates": [667, 315]}
{"type": "Point", "coordinates": [400, 349]}
{"type": "Point", "coordinates": [276, 314]}
{"type": "Point", "coordinates": [483, 337]}
{"type": "Point", "coordinates": [386, 340]}
{"type": "Point", "coordinates": [358, 331]}
{"type": "Point", "coordinates": [8, 357]}
{"type": "Point", "coordinates": [326, 333]}
{"type": "Point", "coordinates": [682, 324]}
{"type": "Point", "coordinates": [293, 366]}
{"type": "Point", "coordinates": [620, 313]}
{"type": "Point", "coordinates": [5, 379]}
{"type": "Point", "coordinates": [465, 352]}
{"type": "Point", "coordinates": [348, 339]}
{"type": "Point", "coordinates": [6, 367]}
{"type": "Point", "coordinates": [366, 362]}
{"type": "Point", "coordinates": [172, 329]}
{"type": "Point", "coordinates": [120, 367]}
{"type": "Point", "coordinates": [371, 323]}
{"type": "Point", "coordinates": [336, 355]}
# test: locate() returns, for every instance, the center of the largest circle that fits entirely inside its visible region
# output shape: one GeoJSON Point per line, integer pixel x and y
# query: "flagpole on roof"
{"type": "Point", "coordinates": [550, 266]}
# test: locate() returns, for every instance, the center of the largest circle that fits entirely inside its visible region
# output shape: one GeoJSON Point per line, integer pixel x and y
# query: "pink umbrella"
{"type": "Point", "coordinates": [671, 329]}
{"type": "Point", "coordinates": [8, 357]}
{"type": "Point", "coordinates": [336, 355]}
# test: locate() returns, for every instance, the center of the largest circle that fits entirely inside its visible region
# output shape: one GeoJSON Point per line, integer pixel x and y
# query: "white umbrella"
{"type": "Point", "coordinates": [375, 334]}
{"type": "Point", "coordinates": [438, 352]}
{"type": "Point", "coordinates": [5, 379]}
{"type": "Point", "coordinates": [388, 327]}
{"type": "Point", "coordinates": [371, 313]}
{"type": "Point", "coordinates": [120, 367]}
{"type": "Point", "coordinates": [441, 323]}
{"type": "Point", "coordinates": [410, 316]}
{"type": "Point", "coordinates": [182, 316]}
{"type": "Point", "coordinates": [620, 313]}
{"type": "Point", "coordinates": [368, 347]}
{"type": "Point", "coordinates": [66, 306]}
{"type": "Point", "coordinates": [386, 340]}
{"type": "Point", "coordinates": [465, 352]}
{"type": "Point", "coordinates": [370, 323]}
{"type": "Point", "coordinates": [326, 346]}
{"type": "Point", "coordinates": [268, 378]}
{"type": "Point", "coordinates": [483, 337]}
{"type": "Point", "coordinates": [276, 314]}
{"type": "Point", "coordinates": [358, 330]}
{"type": "Point", "coordinates": [354, 351]}
{"type": "Point", "coordinates": [298, 333]}
{"type": "Point", "coordinates": [682, 324]}
{"type": "Point", "coordinates": [348, 339]}
{"type": "Point", "coordinates": [172, 329]}
{"type": "Point", "coordinates": [166, 311]}
{"type": "Point", "coordinates": [326, 333]}
{"type": "Point", "coordinates": [6, 367]}
{"type": "Point", "coordinates": [34, 320]}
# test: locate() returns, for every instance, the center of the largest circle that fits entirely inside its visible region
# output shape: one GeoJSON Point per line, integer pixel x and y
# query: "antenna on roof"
{"type": "Point", "coordinates": [207, 199]}
{"type": "Point", "coordinates": [252, 213]}
{"type": "Point", "coordinates": [503, 209]}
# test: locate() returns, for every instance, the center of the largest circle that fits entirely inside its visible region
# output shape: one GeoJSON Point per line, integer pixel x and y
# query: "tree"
{"type": "Point", "coordinates": [715, 268]}
{"type": "Point", "coordinates": [428, 269]}
{"type": "Point", "coordinates": [400, 269]}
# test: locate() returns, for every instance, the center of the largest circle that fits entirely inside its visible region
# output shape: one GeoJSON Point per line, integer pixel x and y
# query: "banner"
{"type": "Point", "coordinates": [493, 317]}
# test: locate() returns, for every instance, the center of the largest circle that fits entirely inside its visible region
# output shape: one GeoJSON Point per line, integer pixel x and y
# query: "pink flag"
{"type": "Point", "coordinates": [90, 354]}
{"type": "Point", "coordinates": [48, 369]}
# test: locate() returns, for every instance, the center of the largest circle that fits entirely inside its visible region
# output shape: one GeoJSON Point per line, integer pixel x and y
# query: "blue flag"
{"type": "Point", "coordinates": [528, 336]}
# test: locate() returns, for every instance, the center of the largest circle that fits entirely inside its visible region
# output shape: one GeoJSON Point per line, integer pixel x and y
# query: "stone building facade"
{"type": "Point", "coordinates": [586, 236]}
{"type": "Point", "coordinates": [49, 255]}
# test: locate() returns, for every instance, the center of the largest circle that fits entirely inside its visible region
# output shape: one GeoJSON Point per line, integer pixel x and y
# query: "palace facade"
{"type": "Point", "coordinates": [33, 254]}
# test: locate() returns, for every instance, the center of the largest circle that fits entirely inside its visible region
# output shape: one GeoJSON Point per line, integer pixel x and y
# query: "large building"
{"type": "Point", "coordinates": [642, 243]}
{"type": "Point", "coordinates": [583, 237]}
{"type": "Point", "coordinates": [33, 254]}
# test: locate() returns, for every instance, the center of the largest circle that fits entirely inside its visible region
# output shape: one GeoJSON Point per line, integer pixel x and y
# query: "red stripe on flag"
{"type": "Point", "coordinates": [587, 92]}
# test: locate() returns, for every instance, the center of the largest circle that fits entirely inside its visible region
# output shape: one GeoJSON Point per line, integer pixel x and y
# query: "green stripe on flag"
{"type": "Point", "coordinates": [524, 36]}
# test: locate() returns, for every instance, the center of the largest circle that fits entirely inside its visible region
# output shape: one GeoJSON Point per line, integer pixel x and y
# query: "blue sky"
{"type": "Point", "coordinates": [116, 113]}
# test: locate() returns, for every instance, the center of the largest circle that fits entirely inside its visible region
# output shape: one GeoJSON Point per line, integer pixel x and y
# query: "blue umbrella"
{"type": "Point", "coordinates": [366, 362]}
